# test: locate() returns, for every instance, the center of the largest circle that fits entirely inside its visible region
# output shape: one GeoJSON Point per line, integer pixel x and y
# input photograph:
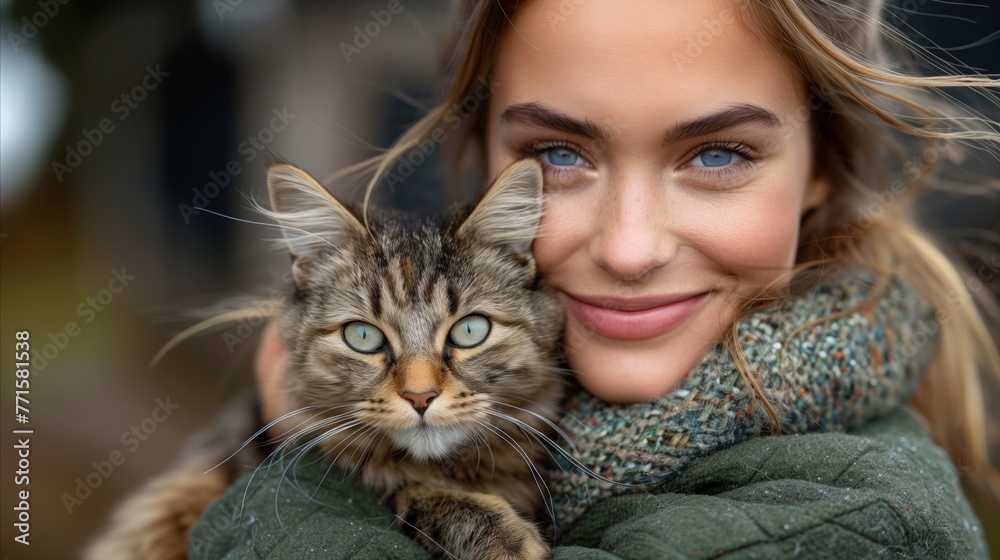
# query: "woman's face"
{"type": "Point", "coordinates": [677, 156]}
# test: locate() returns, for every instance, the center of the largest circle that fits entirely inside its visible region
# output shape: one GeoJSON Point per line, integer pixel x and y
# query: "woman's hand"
{"type": "Point", "coordinates": [270, 369]}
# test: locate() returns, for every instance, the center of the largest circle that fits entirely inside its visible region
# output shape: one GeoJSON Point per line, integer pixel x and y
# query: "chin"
{"type": "Point", "coordinates": [624, 372]}
{"type": "Point", "coordinates": [632, 374]}
{"type": "Point", "coordinates": [425, 442]}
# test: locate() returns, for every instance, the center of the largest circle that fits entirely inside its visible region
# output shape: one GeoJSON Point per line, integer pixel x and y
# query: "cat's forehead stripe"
{"type": "Point", "coordinates": [406, 269]}
{"type": "Point", "coordinates": [429, 289]}
{"type": "Point", "coordinates": [375, 299]}
{"type": "Point", "coordinates": [400, 289]}
{"type": "Point", "coordinates": [396, 285]}
{"type": "Point", "coordinates": [452, 295]}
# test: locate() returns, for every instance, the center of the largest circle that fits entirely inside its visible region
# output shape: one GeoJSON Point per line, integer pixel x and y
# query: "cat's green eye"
{"type": "Point", "coordinates": [363, 337]}
{"type": "Point", "coordinates": [469, 331]}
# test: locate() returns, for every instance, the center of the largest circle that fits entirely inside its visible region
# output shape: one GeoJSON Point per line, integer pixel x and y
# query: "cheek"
{"type": "Point", "coordinates": [566, 226]}
{"type": "Point", "coordinates": [749, 237]}
{"type": "Point", "coordinates": [753, 233]}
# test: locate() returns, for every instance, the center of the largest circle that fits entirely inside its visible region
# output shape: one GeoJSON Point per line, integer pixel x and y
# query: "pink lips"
{"type": "Point", "coordinates": [632, 318]}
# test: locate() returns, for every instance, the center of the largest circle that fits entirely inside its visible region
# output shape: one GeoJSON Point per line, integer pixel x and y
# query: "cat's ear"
{"type": "Point", "coordinates": [509, 212]}
{"type": "Point", "coordinates": [313, 219]}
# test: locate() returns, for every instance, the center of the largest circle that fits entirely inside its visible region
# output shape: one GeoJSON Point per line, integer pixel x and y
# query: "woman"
{"type": "Point", "coordinates": [699, 157]}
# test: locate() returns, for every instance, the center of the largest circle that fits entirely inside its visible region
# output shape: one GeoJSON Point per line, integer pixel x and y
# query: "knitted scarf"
{"type": "Point", "coordinates": [835, 374]}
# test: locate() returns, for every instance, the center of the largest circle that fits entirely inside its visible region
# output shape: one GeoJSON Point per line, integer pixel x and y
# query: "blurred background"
{"type": "Point", "coordinates": [120, 117]}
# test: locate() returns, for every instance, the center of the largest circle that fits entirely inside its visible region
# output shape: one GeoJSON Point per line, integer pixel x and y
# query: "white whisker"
{"type": "Point", "coordinates": [269, 425]}
{"type": "Point", "coordinates": [295, 445]}
{"type": "Point", "coordinates": [304, 448]}
{"type": "Point", "coordinates": [351, 464]}
{"type": "Point", "coordinates": [540, 484]}
{"type": "Point", "coordinates": [417, 529]}
{"type": "Point", "coordinates": [371, 447]}
{"type": "Point", "coordinates": [295, 442]}
{"type": "Point", "coordinates": [280, 226]}
{"type": "Point", "coordinates": [346, 443]}
{"type": "Point", "coordinates": [333, 463]}
{"type": "Point", "coordinates": [476, 438]}
{"type": "Point", "coordinates": [542, 438]}
{"type": "Point", "coordinates": [565, 437]}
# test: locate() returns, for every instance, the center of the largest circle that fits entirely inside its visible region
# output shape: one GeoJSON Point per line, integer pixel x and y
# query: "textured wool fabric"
{"type": "Point", "coordinates": [884, 491]}
{"type": "Point", "coordinates": [831, 375]}
{"type": "Point", "coordinates": [281, 514]}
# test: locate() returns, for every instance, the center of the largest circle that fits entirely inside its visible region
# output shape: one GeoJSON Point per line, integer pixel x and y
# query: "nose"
{"type": "Point", "coordinates": [634, 237]}
{"type": "Point", "coordinates": [420, 401]}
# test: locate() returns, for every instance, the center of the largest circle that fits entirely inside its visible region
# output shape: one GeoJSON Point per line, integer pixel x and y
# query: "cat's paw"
{"type": "Point", "coordinates": [467, 525]}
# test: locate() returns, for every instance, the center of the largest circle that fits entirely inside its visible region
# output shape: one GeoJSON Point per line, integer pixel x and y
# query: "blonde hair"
{"type": "Point", "coordinates": [868, 108]}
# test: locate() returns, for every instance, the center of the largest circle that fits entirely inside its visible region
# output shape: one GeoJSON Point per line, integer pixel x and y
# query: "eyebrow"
{"type": "Point", "coordinates": [729, 117]}
{"type": "Point", "coordinates": [539, 115]}
{"type": "Point", "coordinates": [735, 115]}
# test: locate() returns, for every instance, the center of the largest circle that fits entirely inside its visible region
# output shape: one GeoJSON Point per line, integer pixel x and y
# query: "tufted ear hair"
{"type": "Point", "coordinates": [313, 219]}
{"type": "Point", "coordinates": [510, 211]}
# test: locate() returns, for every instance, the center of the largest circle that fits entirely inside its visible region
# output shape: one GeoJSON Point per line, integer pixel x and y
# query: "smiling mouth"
{"type": "Point", "coordinates": [635, 318]}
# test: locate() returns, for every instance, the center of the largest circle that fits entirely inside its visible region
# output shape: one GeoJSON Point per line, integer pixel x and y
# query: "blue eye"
{"type": "Point", "coordinates": [561, 157]}
{"type": "Point", "coordinates": [470, 331]}
{"type": "Point", "coordinates": [715, 157]}
{"type": "Point", "coordinates": [364, 337]}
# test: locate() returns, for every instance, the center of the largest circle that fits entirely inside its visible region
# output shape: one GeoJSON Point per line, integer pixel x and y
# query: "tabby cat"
{"type": "Point", "coordinates": [422, 353]}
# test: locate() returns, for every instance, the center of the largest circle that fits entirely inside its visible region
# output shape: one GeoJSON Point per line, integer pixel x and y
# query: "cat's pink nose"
{"type": "Point", "coordinates": [420, 401]}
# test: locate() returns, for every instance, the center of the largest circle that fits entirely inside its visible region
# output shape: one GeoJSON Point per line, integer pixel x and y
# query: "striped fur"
{"type": "Point", "coordinates": [464, 473]}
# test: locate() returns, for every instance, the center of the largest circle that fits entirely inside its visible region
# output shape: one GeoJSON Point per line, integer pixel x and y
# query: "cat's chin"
{"type": "Point", "coordinates": [426, 443]}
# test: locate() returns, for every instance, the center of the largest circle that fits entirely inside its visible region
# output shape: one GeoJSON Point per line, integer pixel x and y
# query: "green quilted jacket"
{"type": "Point", "coordinates": [884, 491]}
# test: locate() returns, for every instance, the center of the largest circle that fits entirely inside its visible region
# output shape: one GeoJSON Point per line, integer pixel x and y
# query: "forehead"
{"type": "Point", "coordinates": [640, 61]}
